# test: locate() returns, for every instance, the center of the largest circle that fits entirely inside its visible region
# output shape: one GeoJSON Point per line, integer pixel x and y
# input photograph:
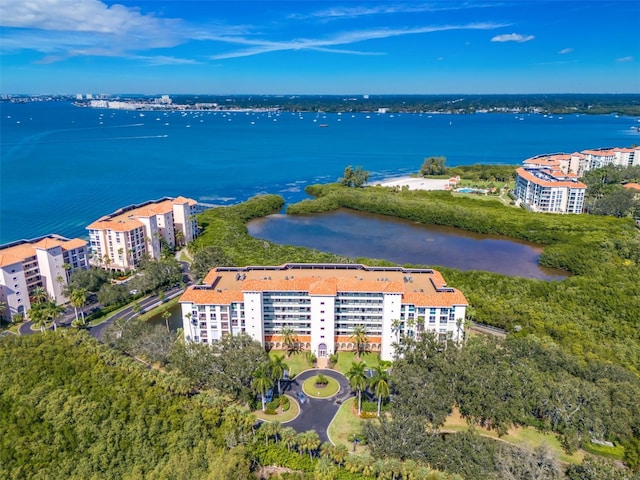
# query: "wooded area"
{"type": "Point", "coordinates": [72, 408]}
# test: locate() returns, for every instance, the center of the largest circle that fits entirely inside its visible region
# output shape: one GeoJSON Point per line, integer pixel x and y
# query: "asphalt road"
{"type": "Point", "coordinates": [145, 303]}
{"type": "Point", "coordinates": [317, 413]}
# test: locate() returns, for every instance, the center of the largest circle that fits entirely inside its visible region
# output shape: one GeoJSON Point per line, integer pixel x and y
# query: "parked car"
{"type": "Point", "coordinates": [268, 396]}
{"type": "Point", "coordinates": [301, 397]}
{"type": "Point", "coordinates": [285, 375]}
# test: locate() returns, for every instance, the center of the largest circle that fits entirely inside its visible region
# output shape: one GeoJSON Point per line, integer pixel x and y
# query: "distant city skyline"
{"type": "Point", "coordinates": [318, 47]}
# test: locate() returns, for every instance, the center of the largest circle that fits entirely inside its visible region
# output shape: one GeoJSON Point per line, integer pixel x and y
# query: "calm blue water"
{"type": "Point", "coordinates": [355, 234]}
{"type": "Point", "coordinates": [63, 167]}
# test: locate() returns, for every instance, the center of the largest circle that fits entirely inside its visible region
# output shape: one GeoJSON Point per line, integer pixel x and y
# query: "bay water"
{"type": "Point", "coordinates": [62, 166]}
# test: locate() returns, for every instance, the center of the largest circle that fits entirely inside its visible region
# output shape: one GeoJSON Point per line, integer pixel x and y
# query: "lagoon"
{"type": "Point", "coordinates": [356, 235]}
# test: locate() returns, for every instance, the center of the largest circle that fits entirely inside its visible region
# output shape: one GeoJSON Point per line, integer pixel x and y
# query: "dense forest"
{"type": "Point", "coordinates": [72, 408]}
{"type": "Point", "coordinates": [591, 317]}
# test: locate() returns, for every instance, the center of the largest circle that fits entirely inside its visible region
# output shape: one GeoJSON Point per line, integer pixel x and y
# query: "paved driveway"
{"type": "Point", "coordinates": [317, 413]}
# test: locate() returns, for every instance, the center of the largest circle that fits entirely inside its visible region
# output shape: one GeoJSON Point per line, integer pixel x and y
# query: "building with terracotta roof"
{"type": "Point", "coordinates": [120, 240]}
{"type": "Point", "coordinates": [322, 304]}
{"type": "Point", "coordinates": [548, 189]}
{"type": "Point", "coordinates": [621, 157]}
{"type": "Point", "coordinates": [548, 183]}
{"type": "Point", "coordinates": [41, 262]}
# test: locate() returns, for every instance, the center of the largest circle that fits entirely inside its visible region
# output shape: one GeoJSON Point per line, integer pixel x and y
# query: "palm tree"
{"type": "Point", "coordinates": [39, 295]}
{"type": "Point", "coordinates": [277, 367]}
{"type": "Point", "coordinates": [276, 428]}
{"type": "Point", "coordinates": [38, 316]}
{"type": "Point", "coordinates": [67, 268]}
{"type": "Point", "coordinates": [358, 380]}
{"type": "Point", "coordinates": [166, 315]}
{"type": "Point", "coordinates": [268, 430]}
{"type": "Point", "coordinates": [77, 299]}
{"type": "Point", "coordinates": [262, 382]}
{"type": "Point", "coordinates": [380, 384]}
{"type": "Point", "coordinates": [368, 466]}
{"type": "Point", "coordinates": [460, 326]}
{"type": "Point", "coordinates": [53, 311]}
{"type": "Point", "coordinates": [339, 454]}
{"type": "Point", "coordinates": [326, 450]}
{"type": "Point", "coordinates": [395, 327]}
{"type": "Point", "coordinates": [289, 339]}
{"type": "Point", "coordinates": [411, 324]}
{"type": "Point", "coordinates": [359, 337]}
{"type": "Point", "coordinates": [179, 238]}
{"type": "Point", "coordinates": [288, 436]}
{"type": "Point", "coordinates": [310, 442]}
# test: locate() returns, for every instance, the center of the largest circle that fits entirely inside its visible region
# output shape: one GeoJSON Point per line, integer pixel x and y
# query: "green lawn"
{"type": "Point", "coordinates": [345, 423]}
{"type": "Point", "coordinates": [310, 389]}
{"type": "Point", "coordinates": [297, 362]}
{"type": "Point", "coordinates": [525, 436]}
{"type": "Point", "coordinates": [163, 307]}
{"type": "Point", "coordinates": [345, 359]}
{"type": "Point", "coordinates": [287, 416]}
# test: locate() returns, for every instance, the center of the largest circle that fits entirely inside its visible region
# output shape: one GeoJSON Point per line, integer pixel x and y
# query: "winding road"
{"type": "Point", "coordinates": [316, 413]}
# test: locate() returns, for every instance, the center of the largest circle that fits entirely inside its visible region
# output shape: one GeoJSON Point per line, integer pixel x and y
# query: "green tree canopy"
{"type": "Point", "coordinates": [354, 177]}
{"type": "Point", "coordinates": [433, 166]}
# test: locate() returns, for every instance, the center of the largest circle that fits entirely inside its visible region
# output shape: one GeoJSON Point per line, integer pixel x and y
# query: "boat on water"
{"type": "Point", "coordinates": [323, 125]}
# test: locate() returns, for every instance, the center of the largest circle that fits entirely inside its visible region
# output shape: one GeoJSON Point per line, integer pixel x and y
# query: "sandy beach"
{"type": "Point", "coordinates": [415, 183]}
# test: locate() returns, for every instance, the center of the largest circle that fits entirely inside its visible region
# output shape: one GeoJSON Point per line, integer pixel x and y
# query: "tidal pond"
{"type": "Point", "coordinates": [355, 234]}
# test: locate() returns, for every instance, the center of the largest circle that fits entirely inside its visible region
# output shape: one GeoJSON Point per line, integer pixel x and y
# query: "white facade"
{"type": "Point", "coordinates": [120, 240]}
{"type": "Point", "coordinates": [322, 304]}
{"type": "Point", "coordinates": [13, 290]}
{"type": "Point", "coordinates": [42, 262]}
{"type": "Point", "coordinates": [621, 157]}
{"type": "Point", "coordinates": [549, 191]}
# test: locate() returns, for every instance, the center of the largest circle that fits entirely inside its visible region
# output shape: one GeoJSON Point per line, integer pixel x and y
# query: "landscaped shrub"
{"type": "Point", "coordinates": [311, 358]}
{"type": "Point", "coordinates": [273, 404]}
{"type": "Point", "coordinates": [285, 404]}
{"type": "Point", "coordinates": [279, 455]}
{"type": "Point", "coordinates": [333, 359]}
{"type": "Point", "coordinates": [321, 380]}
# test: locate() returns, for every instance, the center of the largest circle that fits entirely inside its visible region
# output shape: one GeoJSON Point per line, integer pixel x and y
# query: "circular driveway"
{"type": "Point", "coordinates": [316, 413]}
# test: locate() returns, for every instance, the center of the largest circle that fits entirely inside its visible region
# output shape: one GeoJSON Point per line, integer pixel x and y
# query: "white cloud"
{"type": "Point", "coordinates": [382, 9]}
{"type": "Point", "coordinates": [564, 51]}
{"type": "Point", "coordinates": [625, 59]}
{"type": "Point", "coordinates": [61, 29]}
{"type": "Point", "coordinates": [345, 38]}
{"type": "Point", "coordinates": [81, 16]}
{"type": "Point", "coordinates": [512, 37]}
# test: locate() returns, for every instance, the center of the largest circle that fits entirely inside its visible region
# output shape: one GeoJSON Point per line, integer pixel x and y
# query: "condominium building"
{"type": "Point", "coordinates": [120, 240]}
{"type": "Point", "coordinates": [581, 162]}
{"type": "Point", "coordinates": [621, 157]}
{"type": "Point", "coordinates": [322, 304]}
{"type": "Point", "coordinates": [567, 163]}
{"type": "Point", "coordinates": [41, 262]}
{"type": "Point", "coordinates": [547, 189]}
{"type": "Point", "coordinates": [549, 183]}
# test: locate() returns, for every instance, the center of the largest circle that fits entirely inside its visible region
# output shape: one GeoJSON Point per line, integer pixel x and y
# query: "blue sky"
{"type": "Point", "coordinates": [319, 47]}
